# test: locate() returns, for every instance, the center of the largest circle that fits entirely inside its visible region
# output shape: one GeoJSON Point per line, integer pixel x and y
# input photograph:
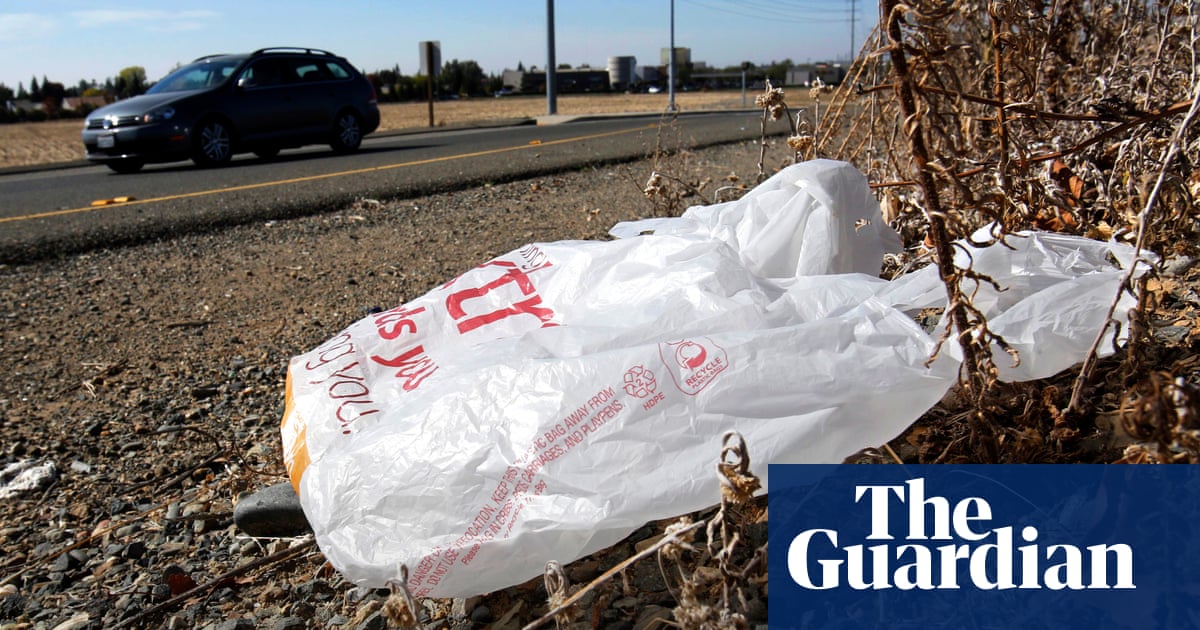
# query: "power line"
{"type": "Point", "coordinates": [754, 11]}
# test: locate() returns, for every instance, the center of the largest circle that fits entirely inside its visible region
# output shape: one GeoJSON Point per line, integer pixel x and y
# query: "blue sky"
{"type": "Point", "coordinates": [66, 40]}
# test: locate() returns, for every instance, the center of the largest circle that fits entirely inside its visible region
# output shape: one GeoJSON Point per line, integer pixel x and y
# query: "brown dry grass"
{"type": "Point", "coordinates": [58, 140]}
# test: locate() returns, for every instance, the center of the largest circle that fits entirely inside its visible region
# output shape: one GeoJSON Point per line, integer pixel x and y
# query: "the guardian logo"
{"type": "Point", "coordinates": [947, 545]}
{"type": "Point", "coordinates": [1032, 546]}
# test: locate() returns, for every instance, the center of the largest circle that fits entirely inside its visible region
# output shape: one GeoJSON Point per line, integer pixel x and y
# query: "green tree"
{"type": "Point", "coordinates": [407, 90]}
{"type": "Point", "coordinates": [52, 96]}
{"type": "Point", "coordinates": [130, 81]}
{"type": "Point", "coordinates": [777, 70]}
{"type": "Point", "coordinates": [35, 91]}
{"type": "Point", "coordinates": [495, 83]}
{"type": "Point", "coordinates": [462, 77]}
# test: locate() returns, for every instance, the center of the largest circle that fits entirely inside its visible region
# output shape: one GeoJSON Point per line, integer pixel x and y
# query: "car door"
{"type": "Point", "coordinates": [269, 103]}
{"type": "Point", "coordinates": [319, 93]}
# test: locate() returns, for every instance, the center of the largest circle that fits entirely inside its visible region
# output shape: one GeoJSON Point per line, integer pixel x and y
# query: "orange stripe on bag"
{"type": "Point", "coordinates": [294, 431]}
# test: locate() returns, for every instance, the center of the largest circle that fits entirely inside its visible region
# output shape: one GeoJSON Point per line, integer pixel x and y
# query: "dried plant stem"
{"type": "Point", "coordinates": [275, 558]}
{"type": "Point", "coordinates": [671, 537]}
{"type": "Point", "coordinates": [849, 89]}
{"type": "Point", "coordinates": [1111, 132]}
{"type": "Point", "coordinates": [958, 310]}
{"type": "Point", "coordinates": [933, 208]}
{"type": "Point", "coordinates": [1177, 141]}
{"type": "Point", "coordinates": [1001, 123]}
{"type": "Point", "coordinates": [762, 143]}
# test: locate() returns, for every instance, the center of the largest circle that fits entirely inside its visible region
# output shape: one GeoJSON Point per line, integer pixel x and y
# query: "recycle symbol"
{"type": "Point", "coordinates": [639, 382]}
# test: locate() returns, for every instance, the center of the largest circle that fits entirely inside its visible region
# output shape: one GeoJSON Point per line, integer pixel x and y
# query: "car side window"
{"type": "Point", "coordinates": [267, 73]}
{"type": "Point", "coordinates": [310, 71]}
{"type": "Point", "coordinates": [336, 70]}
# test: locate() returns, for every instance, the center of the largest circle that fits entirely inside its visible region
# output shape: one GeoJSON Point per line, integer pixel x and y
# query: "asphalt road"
{"type": "Point", "coordinates": [61, 211]}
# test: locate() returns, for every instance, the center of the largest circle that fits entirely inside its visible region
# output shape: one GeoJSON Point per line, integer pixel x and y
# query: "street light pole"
{"type": "Point", "coordinates": [551, 64]}
{"type": "Point", "coordinates": [852, 17]}
{"type": "Point", "coordinates": [671, 65]}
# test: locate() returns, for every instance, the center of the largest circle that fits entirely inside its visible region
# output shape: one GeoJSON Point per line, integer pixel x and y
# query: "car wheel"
{"type": "Point", "coordinates": [347, 132]}
{"type": "Point", "coordinates": [126, 166]}
{"type": "Point", "coordinates": [213, 143]}
{"type": "Point", "coordinates": [266, 153]}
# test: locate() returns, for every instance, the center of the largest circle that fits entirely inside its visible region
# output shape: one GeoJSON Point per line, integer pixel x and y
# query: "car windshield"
{"type": "Point", "coordinates": [195, 76]}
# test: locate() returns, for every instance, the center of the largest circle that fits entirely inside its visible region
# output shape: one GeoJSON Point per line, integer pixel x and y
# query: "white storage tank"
{"type": "Point", "coordinates": [622, 72]}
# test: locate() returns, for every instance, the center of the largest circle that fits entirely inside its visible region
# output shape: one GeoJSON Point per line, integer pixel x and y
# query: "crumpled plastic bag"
{"type": "Point", "coordinates": [548, 402]}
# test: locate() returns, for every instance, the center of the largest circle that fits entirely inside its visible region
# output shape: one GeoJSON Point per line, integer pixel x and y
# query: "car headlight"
{"type": "Point", "coordinates": [158, 115]}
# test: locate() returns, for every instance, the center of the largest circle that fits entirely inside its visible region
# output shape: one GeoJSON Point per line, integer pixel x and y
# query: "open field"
{"type": "Point", "coordinates": [58, 140]}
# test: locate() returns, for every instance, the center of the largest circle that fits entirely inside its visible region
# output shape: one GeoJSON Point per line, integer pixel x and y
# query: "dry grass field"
{"type": "Point", "coordinates": [58, 141]}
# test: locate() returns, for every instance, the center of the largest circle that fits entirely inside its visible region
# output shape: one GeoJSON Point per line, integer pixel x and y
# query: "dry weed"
{"type": "Point", "coordinates": [1053, 116]}
{"type": "Point", "coordinates": [712, 581]}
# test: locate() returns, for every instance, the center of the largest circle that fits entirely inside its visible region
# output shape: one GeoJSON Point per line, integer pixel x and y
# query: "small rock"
{"type": "Point", "coordinates": [236, 624]}
{"type": "Point", "coordinates": [289, 623]}
{"type": "Point", "coordinates": [79, 621]}
{"type": "Point", "coordinates": [461, 607]}
{"type": "Point", "coordinates": [374, 622]}
{"type": "Point", "coordinates": [135, 550]}
{"type": "Point", "coordinates": [1172, 334]}
{"type": "Point", "coordinates": [130, 446]}
{"type": "Point", "coordinates": [65, 562]}
{"type": "Point", "coordinates": [481, 614]}
{"type": "Point", "coordinates": [160, 592]}
{"type": "Point", "coordinates": [1178, 265]}
{"type": "Point", "coordinates": [653, 617]}
{"type": "Point", "coordinates": [273, 511]}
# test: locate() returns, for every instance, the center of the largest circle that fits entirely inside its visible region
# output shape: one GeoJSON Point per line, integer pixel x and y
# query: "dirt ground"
{"type": "Point", "coordinates": [58, 140]}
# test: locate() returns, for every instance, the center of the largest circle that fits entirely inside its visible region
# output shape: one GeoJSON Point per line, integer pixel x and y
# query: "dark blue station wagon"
{"type": "Point", "coordinates": [220, 105]}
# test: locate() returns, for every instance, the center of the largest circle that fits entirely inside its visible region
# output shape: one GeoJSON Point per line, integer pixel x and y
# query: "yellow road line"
{"type": "Point", "coordinates": [309, 178]}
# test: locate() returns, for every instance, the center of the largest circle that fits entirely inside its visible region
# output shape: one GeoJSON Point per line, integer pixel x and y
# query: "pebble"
{"type": "Point", "coordinates": [289, 623]}
{"type": "Point", "coordinates": [273, 512]}
{"type": "Point", "coordinates": [1178, 265]}
{"type": "Point", "coordinates": [235, 624]}
{"type": "Point", "coordinates": [77, 622]}
{"type": "Point", "coordinates": [374, 622]}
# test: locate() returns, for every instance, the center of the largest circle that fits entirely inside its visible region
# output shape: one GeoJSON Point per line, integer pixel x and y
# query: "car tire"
{"type": "Point", "coordinates": [126, 166]}
{"type": "Point", "coordinates": [212, 143]}
{"type": "Point", "coordinates": [347, 132]}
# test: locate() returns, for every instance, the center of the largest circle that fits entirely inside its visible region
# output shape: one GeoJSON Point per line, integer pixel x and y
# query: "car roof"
{"type": "Point", "coordinates": [314, 52]}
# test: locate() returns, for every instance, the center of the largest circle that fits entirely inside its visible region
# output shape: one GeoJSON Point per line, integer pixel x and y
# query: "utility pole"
{"type": "Point", "coordinates": [671, 65]}
{"type": "Point", "coordinates": [551, 64]}
{"type": "Point", "coordinates": [852, 20]}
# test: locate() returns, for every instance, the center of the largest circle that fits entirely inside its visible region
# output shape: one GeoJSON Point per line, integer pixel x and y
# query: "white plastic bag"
{"type": "Point", "coordinates": [548, 402]}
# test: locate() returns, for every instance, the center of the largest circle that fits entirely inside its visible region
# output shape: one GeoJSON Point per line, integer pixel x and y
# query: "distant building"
{"type": "Point", "coordinates": [683, 56]}
{"type": "Point", "coordinates": [622, 72]}
{"type": "Point", "coordinates": [807, 74]}
{"type": "Point", "coordinates": [23, 105]}
{"type": "Point", "coordinates": [569, 80]}
{"type": "Point", "coordinates": [76, 103]}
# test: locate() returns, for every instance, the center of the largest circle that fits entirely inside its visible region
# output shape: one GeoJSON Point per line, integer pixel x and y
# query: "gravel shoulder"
{"type": "Point", "coordinates": [152, 379]}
